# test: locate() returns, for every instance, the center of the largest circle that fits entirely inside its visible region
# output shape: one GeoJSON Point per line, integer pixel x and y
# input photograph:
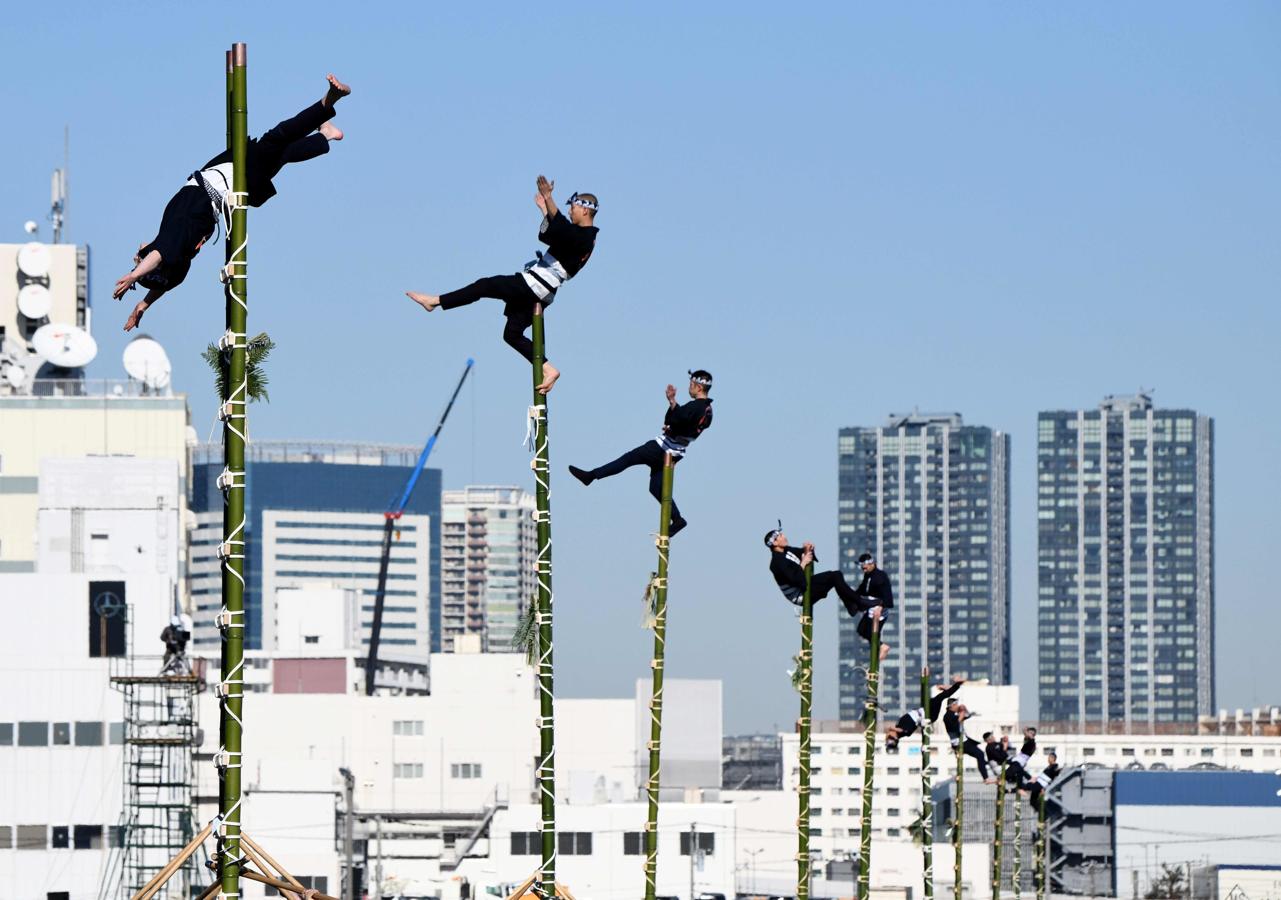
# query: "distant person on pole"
{"type": "Point", "coordinates": [954, 723]}
{"type": "Point", "coordinates": [569, 245]}
{"type": "Point", "coordinates": [191, 216]}
{"type": "Point", "coordinates": [914, 719]}
{"type": "Point", "coordinates": [787, 565]}
{"type": "Point", "coordinates": [1037, 789]}
{"type": "Point", "coordinates": [682, 425]}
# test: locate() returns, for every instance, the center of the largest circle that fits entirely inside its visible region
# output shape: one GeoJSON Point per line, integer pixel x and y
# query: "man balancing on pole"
{"type": "Point", "coordinates": [787, 565]}
{"type": "Point", "coordinates": [954, 724]}
{"type": "Point", "coordinates": [681, 427]}
{"type": "Point", "coordinates": [910, 721]}
{"type": "Point", "coordinates": [569, 245]}
{"type": "Point", "coordinates": [191, 216]}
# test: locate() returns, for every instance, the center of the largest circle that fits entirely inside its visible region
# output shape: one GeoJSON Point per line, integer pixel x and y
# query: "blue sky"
{"type": "Point", "coordinates": [839, 209]}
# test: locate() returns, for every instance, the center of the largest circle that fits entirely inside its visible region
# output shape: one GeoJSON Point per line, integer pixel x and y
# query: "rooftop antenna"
{"type": "Point", "coordinates": [58, 188]}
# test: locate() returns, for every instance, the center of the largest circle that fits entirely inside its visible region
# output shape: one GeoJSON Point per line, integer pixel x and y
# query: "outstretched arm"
{"type": "Point", "coordinates": [145, 266]}
{"type": "Point", "coordinates": [135, 317]}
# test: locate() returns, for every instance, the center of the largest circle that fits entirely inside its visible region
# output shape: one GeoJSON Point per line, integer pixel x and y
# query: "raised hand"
{"type": "Point", "coordinates": [545, 187]}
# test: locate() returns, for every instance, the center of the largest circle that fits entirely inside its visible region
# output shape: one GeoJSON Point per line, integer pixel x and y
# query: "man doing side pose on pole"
{"type": "Point", "coordinates": [1016, 770]}
{"type": "Point", "coordinates": [787, 565]}
{"type": "Point", "coordinates": [569, 245]}
{"type": "Point", "coordinates": [954, 724]}
{"type": "Point", "coordinates": [681, 427]}
{"type": "Point", "coordinates": [1036, 790]}
{"type": "Point", "coordinates": [913, 719]}
{"type": "Point", "coordinates": [191, 216]}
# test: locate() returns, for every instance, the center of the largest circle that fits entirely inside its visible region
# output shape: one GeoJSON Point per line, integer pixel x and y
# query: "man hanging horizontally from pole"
{"type": "Point", "coordinates": [681, 427]}
{"type": "Point", "coordinates": [871, 599]}
{"type": "Point", "coordinates": [569, 245]}
{"type": "Point", "coordinates": [913, 719]}
{"type": "Point", "coordinates": [191, 216]}
{"type": "Point", "coordinates": [954, 724]}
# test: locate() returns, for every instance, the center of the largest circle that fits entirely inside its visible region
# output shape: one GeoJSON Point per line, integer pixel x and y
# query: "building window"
{"type": "Point", "coordinates": [526, 843]}
{"type": "Point", "coordinates": [59, 837]}
{"type": "Point", "coordinates": [61, 734]}
{"type": "Point", "coordinates": [116, 733]}
{"type": "Point", "coordinates": [6, 734]}
{"type": "Point", "coordinates": [1087, 751]}
{"type": "Point", "coordinates": [88, 734]}
{"type": "Point", "coordinates": [6, 837]}
{"type": "Point", "coordinates": [116, 835]}
{"type": "Point", "coordinates": [892, 811]}
{"type": "Point", "coordinates": [33, 837]}
{"type": "Point", "coordinates": [853, 770]}
{"type": "Point", "coordinates": [1246, 751]}
{"type": "Point", "coordinates": [407, 727]}
{"type": "Point", "coordinates": [1207, 751]}
{"type": "Point", "coordinates": [464, 770]}
{"type": "Point", "coordinates": [633, 843]}
{"type": "Point", "coordinates": [87, 837]}
{"type": "Point", "coordinates": [1127, 751]}
{"type": "Point", "coordinates": [574, 843]}
{"type": "Point", "coordinates": [891, 792]}
{"type": "Point", "coordinates": [57, 895]}
{"type": "Point", "coordinates": [408, 770]}
{"type": "Point", "coordinates": [706, 842]}
{"type": "Point", "coordinates": [33, 734]}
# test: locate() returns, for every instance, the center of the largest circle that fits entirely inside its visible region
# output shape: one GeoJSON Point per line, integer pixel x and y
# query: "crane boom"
{"type": "Point", "coordinates": [389, 526]}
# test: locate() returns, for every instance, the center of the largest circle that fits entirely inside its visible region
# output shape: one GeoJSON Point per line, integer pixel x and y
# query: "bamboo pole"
{"type": "Point", "coordinates": [232, 550]}
{"type": "Point", "coordinates": [927, 798]}
{"type": "Point", "coordinates": [543, 618]}
{"type": "Point", "coordinates": [998, 836]}
{"type": "Point", "coordinates": [958, 820]}
{"type": "Point", "coordinates": [869, 760]}
{"type": "Point", "coordinates": [158, 880]}
{"type": "Point", "coordinates": [805, 663]}
{"type": "Point", "coordinates": [656, 697]}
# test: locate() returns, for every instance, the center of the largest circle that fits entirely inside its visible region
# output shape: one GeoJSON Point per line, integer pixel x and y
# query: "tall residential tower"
{"type": "Point", "coordinates": [1125, 502]}
{"type": "Point", "coordinates": [928, 496]}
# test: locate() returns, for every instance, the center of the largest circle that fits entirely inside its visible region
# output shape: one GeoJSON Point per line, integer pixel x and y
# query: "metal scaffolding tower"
{"type": "Point", "coordinates": [160, 741]}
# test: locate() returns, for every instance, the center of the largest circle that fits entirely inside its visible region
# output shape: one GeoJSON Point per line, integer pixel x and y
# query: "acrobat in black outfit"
{"type": "Point", "coordinates": [681, 427]}
{"type": "Point", "coordinates": [1036, 790]}
{"type": "Point", "coordinates": [913, 719]}
{"type": "Point", "coordinates": [192, 214]}
{"type": "Point", "coordinates": [1015, 763]}
{"type": "Point", "coordinates": [569, 245]}
{"type": "Point", "coordinates": [870, 600]}
{"type": "Point", "coordinates": [954, 724]}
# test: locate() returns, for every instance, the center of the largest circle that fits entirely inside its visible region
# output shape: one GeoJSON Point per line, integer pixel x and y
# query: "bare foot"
{"type": "Point", "coordinates": [885, 650]}
{"type": "Point", "coordinates": [331, 131]}
{"type": "Point", "coordinates": [426, 301]}
{"type": "Point", "coordinates": [550, 374]}
{"type": "Point", "coordinates": [337, 90]}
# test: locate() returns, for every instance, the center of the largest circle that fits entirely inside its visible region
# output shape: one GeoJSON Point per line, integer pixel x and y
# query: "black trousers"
{"type": "Point", "coordinates": [518, 300]}
{"type": "Point", "coordinates": [647, 454]}
{"type": "Point", "coordinates": [293, 140]}
{"type": "Point", "coordinates": [865, 624]}
{"type": "Point", "coordinates": [972, 749]}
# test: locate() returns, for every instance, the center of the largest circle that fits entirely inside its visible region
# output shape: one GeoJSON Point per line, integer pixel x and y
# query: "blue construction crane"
{"type": "Point", "coordinates": [390, 518]}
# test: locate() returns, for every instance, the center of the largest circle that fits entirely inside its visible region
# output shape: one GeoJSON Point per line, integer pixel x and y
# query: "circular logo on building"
{"type": "Point", "coordinates": [108, 604]}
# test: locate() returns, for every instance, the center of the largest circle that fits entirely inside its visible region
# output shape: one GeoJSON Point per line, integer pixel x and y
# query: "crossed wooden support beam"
{"type": "Point", "coordinates": [270, 872]}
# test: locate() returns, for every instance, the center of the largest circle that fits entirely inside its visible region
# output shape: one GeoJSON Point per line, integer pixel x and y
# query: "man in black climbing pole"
{"type": "Point", "coordinates": [1016, 772]}
{"type": "Point", "coordinates": [913, 719]}
{"type": "Point", "coordinates": [873, 592]}
{"type": "Point", "coordinates": [682, 425]}
{"type": "Point", "coordinates": [954, 724]}
{"type": "Point", "coordinates": [787, 565]}
{"type": "Point", "coordinates": [191, 216]}
{"type": "Point", "coordinates": [569, 245]}
{"type": "Point", "coordinates": [1036, 790]}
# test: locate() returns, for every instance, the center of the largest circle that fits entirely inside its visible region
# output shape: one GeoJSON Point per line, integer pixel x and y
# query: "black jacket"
{"type": "Point", "coordinates": [876, 586]}
{"type": "Point", "coordinates": [788, 572]}
{"type": "Point", "coordinates": [571, 244]}
{"type": "Point", "coordinates": [684, 423]}
{"type": "Point", "coordinates": [996, 753]}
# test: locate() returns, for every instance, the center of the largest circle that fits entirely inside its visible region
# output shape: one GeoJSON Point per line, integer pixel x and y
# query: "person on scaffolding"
{"type": "Point", "coordinates": [569, 241]}
{"type": "Point", "coordinates": [191, 216]}
{"type": "Point", "coordinates": [909, 722]}
{"type": "Point", "coordinates": [175, 637]}
{"type": "Point", "coordinates": [954, 723]}
{"type": "Point", "coordinates": [787, 564]}
{"type": "Point", "coordinates": [682, 425]}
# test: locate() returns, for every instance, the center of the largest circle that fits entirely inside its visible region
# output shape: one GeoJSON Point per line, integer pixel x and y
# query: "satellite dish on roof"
{"type": "Point", "coordinates": [34, 259]}
{"type": "Point", "coordinates": [14, 375]}
{"type": "Point", "coordinates": [65, 346]}
{"type": "Point", "coordinates": [34, 300]}
{"type": "Point", "coordinates": [146, 361]}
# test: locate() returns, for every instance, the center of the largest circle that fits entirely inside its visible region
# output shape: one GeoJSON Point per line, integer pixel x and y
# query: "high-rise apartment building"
{"type": "Point", "coordinates": [928, 496]}
{"type": "Point", "coordinates": [314, 519]}
{"type": "Point", "coordinates": [1125, 502]}
{"type": "Point", "coordinates": [488, 551]}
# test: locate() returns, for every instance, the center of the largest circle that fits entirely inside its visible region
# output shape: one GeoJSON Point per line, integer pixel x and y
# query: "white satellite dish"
{"type": "Point", "coordinates": [146, 361]}
{"type": "Point", "coordinates": [34, 300]}
{"type": "Point", "coordinates": [15, 375]}
{"type": "Point", "coordinates": [34, 259]}
{"type": "Point", "coordinates": [64, 345]}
